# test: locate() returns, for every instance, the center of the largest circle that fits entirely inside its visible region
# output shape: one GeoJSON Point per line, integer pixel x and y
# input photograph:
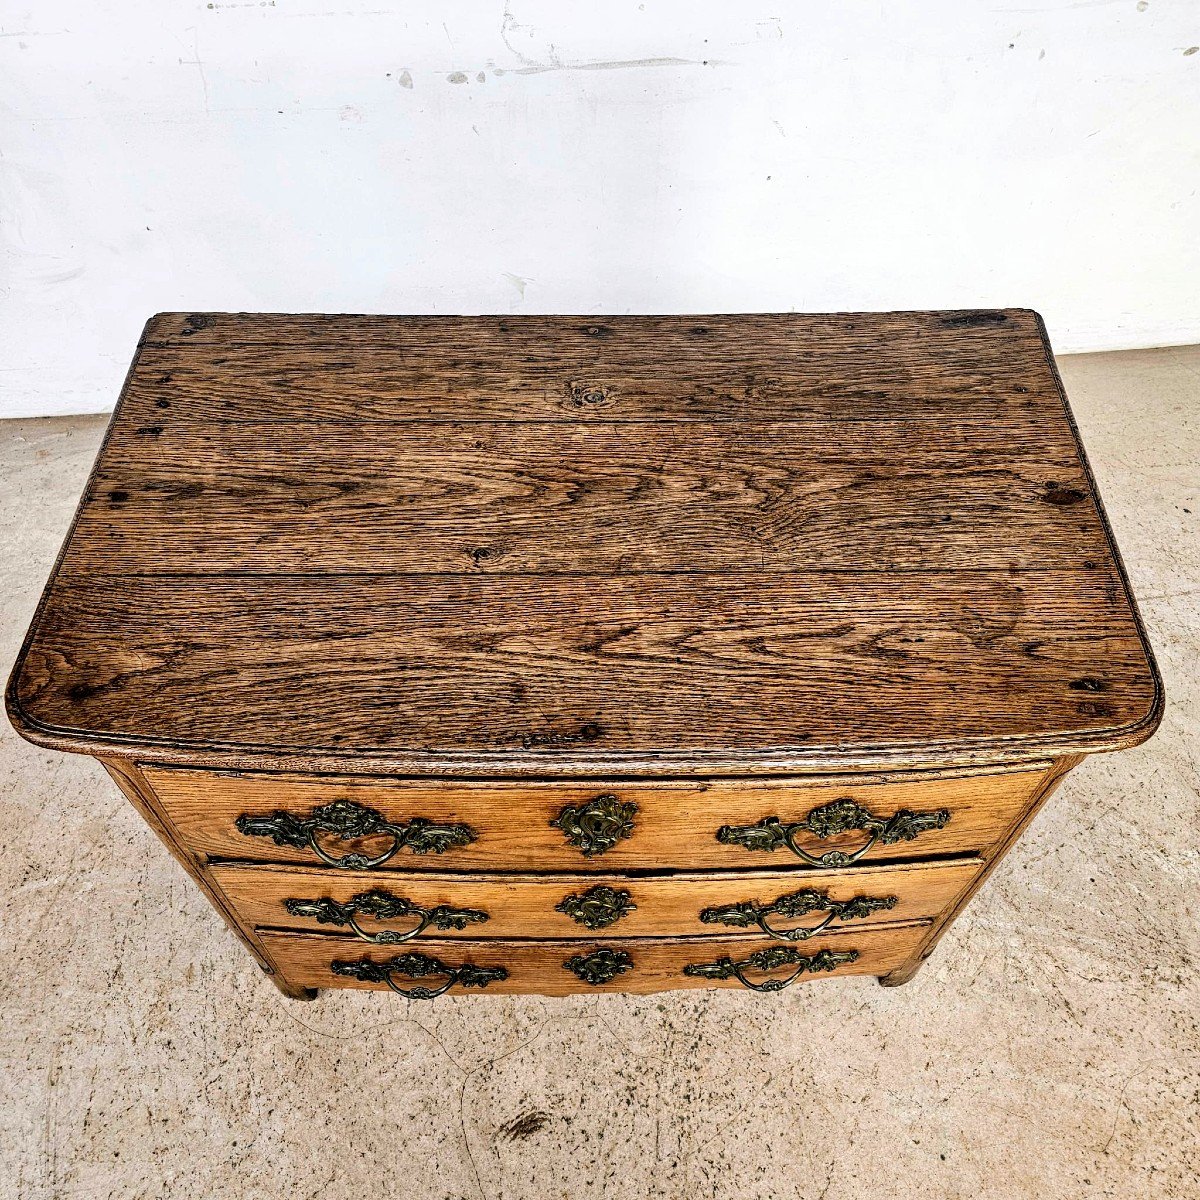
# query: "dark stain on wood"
{"type": "Point", "coordinates": [588, 395]}
{"type": "Point", "coordinates": [974, 320]}
{"type": "Point", "coordinates": [590, 731]}
{"type": "Point", "coordinates": [1056, 493]}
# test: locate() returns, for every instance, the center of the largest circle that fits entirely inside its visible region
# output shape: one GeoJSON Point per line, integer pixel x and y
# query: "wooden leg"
{"type": "Point", "coordinates": [293, 993]}
{"type": "Point", "coordinates": [901, 975]}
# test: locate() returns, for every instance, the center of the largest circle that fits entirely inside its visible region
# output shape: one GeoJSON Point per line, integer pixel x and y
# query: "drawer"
{"type": "Point", "coordinates": [561, 968]}
{"type": "Point", "coordinates": [361, 823]}
{"type": "Point", "coordinates": [788, 905]}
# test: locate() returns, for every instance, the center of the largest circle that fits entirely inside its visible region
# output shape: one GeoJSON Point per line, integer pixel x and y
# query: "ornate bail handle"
{"type": "Point", "coordinates": [792, 906]}
{"type": "Point", "coordinates": [418, 966]}
{"type": "Point", "coordinates": [383, 906]}
{"type": "Point", "coordinates": [345, 819]}
{"type": "Point", "coordinates": [839, 816]}
{"type": "Point", "coordinates": [771, 959]}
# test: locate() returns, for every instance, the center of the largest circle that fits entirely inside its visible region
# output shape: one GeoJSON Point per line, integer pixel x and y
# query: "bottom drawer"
{"type": "Point", "coordinates": [562, 968]}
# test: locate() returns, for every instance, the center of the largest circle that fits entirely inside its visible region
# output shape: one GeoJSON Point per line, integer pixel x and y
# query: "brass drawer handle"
{"type": "Point", "coordinates": [383, 906]}
{"type": "Point", "coordinates": [771, 959]}
{"type": "Point", "coordinates": [793, 905]}
{"type": "Point", "coordinates": [839, 816]}
{"type": "Point", "coordinates": [601, 965]}
{"type": "Point", "coordinates": [418, 966]}
{"type": "Point", "coordinates": [345, 819]}
{"type": "Point", "coordinates": [596, 827]}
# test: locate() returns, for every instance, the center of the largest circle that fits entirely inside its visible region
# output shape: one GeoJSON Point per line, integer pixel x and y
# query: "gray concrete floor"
{"type": "Point", "coordinates": [1050, 1049]}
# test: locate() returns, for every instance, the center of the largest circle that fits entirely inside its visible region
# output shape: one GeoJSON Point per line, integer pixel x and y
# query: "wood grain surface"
{"type": "Point", "coordinates": [536, 498]}
{"type": "Point", "coordinates": [675, 825]}
{"type": "Point", "coordinates": [256, 367]}
{"type": "Point", "coordinates": [537, 968]}
{"type": "Point", "coordinates": [609, 671]}
{"type": "Point", "coordinates": [558, 546]}
{"type": "Point", "coordinates": [526, 906]}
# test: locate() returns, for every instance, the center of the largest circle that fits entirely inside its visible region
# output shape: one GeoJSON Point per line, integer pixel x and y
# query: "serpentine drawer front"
{"type": "Point", "coordinates": [347, 824]}
{"type": "Point", "coordinates": [787, 905]}
{"type": "Point", "coordinates": [463, 656]}
{"type": "Point", "coordinates": [562, 968]}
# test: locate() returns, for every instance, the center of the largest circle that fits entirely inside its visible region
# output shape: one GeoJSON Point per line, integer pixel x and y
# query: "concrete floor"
{"type": "Point", "coordinates": [1050, 1049]}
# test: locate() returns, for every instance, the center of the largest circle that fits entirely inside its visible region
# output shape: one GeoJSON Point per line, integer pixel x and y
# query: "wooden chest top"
{"type": "Point", "coordinates": [552, 546]}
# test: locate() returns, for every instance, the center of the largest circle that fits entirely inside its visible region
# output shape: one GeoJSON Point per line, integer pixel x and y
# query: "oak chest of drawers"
{"type": "Point", "coordinates": [560, 655]}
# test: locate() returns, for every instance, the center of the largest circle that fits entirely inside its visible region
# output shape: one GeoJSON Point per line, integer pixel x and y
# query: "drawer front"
{"type": "Point", "coordinates": [564, 968]}
{"type": "Point", "coordinates": [356, 823]}
{"type": "Point", "coordinates": [787, 906]}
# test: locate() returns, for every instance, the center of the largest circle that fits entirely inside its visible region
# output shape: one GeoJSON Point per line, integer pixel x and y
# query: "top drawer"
{"type": "Point", "coordinates": [356, 823]}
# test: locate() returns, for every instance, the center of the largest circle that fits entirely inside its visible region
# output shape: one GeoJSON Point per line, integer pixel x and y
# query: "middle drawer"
{"type": "Point", "coordinates": [789, 905]}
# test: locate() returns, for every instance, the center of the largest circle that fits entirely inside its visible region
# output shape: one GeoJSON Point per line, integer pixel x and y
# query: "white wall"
{"type": "Point", "coordinates": [367, 155]}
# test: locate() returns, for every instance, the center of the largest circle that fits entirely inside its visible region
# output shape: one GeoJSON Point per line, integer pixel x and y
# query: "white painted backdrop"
{"type": "Point", "coordinates": [609, 156]}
